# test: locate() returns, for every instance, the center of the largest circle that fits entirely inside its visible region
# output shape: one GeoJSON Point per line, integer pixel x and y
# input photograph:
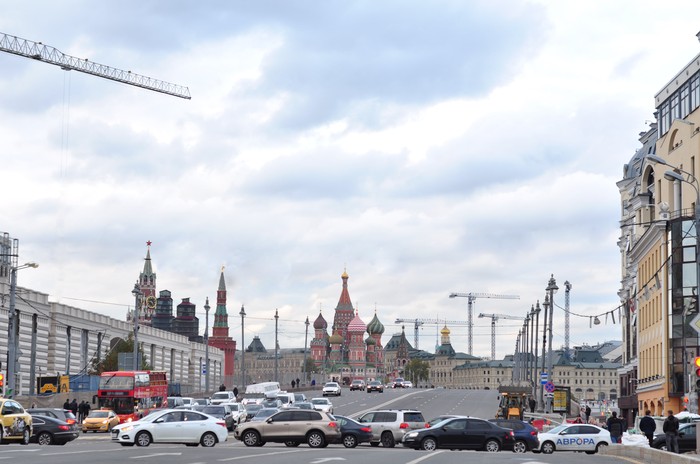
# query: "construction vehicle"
{"type": "Point", "coordinates": [513, 401]}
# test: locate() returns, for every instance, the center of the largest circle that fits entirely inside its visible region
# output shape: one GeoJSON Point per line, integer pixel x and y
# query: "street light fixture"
{"type": "Point", "coordinates": [277, 317]}
{"type": "Point", "coordinates": [206, 346]}
{"type": "Point", "coordinates": [242, 314]}
{"type": "Point", "coordinates": [552, 289]}
{"type": "Point", "coordinates": [545, 305]}
{"type": "Point", "coordinates": [137, 293]}
{"type": "Point", "coordinates": [13, 331]}
{"type": "Point", "coordinates": [306, 339]}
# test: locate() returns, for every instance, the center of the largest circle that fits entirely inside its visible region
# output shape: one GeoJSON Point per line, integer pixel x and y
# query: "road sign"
{"type": "Point", "coordinates": [549, 395]}
{"type": "Point", "coordinates": [695, 323]}
{"type": "Point", "coordinates": [543, 378]}
{"type": "Point", "coordinates": [549, 387]}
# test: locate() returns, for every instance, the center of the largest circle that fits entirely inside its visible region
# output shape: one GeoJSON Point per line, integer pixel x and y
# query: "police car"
{"type": "Point", "coordinates": [573, 437]}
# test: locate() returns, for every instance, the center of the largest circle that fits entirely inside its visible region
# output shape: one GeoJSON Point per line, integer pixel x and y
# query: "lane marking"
{"type": "Point", "coordinates": [253, 456]}
{"type": "Point", "coordinates": [427, 456]}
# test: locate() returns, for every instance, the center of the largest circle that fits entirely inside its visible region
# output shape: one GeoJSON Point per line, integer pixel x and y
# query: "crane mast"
{"type": "Point", "coordinates": [494, 318]}
{"type": "Point", "coordinates": [417, 323]}
{"type": "Point", "coordinates": [47, 54]}
{"type": "Point", "coordinates": [471, 297]}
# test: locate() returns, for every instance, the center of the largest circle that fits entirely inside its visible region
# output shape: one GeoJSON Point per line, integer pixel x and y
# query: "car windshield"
{"type": "Point", "coordinates": [266, 412]}
{"type": "Point", "coordinates": [99, 414]}
{"type": "Point", "coordinates": [331, 384]}
{"type": "Point", "coordinates": [220, 396]}
{"type": "Point", "coordinates": [214, 410]}
{"type": "Point", "coordinates": [558, 429]}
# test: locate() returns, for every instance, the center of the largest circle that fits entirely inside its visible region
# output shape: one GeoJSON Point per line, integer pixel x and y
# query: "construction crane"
{"type": "Point", "coordinates": [494, 318]}
{"type": "Point", "coordinates": [417, 323]}
{"type": "Point", "coordinates": [471, 297]}
{"type": "Point", "coordinates": [47, 54]}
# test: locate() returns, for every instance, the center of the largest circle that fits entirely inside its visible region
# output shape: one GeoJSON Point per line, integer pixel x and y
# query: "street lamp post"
{"type": "Point", "coordinates": [545, 305]}
{"type": "Point", "coordinates": [306, 339]}
{"type": "Point", "coordinates": [137, 293]}
{"type": "Point", "coordinates": [242, 314]}
{"type": "Point", "coordinates": [206, 346]}
{"type": "Point", "coordinates": [276, 348]}
{"type": "Point", "coordinates": [535, 340]}
{"type": "Point", "coordinates": [13, 331]}
{"type": "Point", "coordinates": [552, 289]}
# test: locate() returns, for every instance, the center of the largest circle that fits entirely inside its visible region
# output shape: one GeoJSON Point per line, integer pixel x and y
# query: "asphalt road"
{"type": "Point", "coordinates": [98, 448]}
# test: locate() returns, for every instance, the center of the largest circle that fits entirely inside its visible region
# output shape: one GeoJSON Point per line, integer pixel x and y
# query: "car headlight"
{"type": "Point", "coordinates": [411, 435]}
{"type": "Point", "coordinates": [128, 428]}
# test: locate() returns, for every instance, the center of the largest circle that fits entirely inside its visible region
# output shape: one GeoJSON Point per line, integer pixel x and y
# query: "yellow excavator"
{"type": "Point", "coordinates": [513, 401]}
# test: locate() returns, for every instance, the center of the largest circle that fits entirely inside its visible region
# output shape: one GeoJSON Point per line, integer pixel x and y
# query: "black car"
{"type": "Point", "coordinates": [461, 433]}
{"type": "Point", "coordinates": [375, 386]}
{"type": "Point", "coordinates": [220, 411]}
{"type": "Point", "coordinates": [66, 415]}
{"type": "Point", "coordinates": [51, 431]}
{"type": "Point", "coordinates": [525, 434]}
{"type": "Point", "coordinates": [352, 432]}
{"type": "Point", "coordinates": [686, 438]}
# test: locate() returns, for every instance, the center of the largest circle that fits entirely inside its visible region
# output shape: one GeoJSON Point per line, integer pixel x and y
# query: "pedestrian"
{"type": "Point", "coordinates": [587, 413]}
{"type": "Point", "coordinates": [615, 428]}
{"type": "Point", "coordinates": [87, 409]}
{"type": "Point", "coordinates": [235, 392]}
{"type": "Point", "coordinates": [671, 430]}
{"type": "Point", "coordinates": [81, 411]}
{"type": "Point", "coordinates": [74, 407]}
{"type": "Point", "coordinates": [298, 382]}
{"type": "Point", "coordinates": [313, 382]}
{"type": "Point", "coordinates": [648, 426]}
{"type": "Point", "coordinates": [293, 384]}
{"type": "Point", "coordinates": [66, 405]}
{"type": "Point", "coordinates": [532, 403]}
{"type": "Point", "coordinates": [222, 387]}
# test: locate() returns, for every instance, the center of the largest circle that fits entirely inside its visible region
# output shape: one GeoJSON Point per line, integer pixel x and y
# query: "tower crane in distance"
{"type": "Point", "coordinates": [494, 318]}
{"type": "Point", "coordinates": [471, 297]}
{"type": "Point", "coordinates": [47, 54]}
{"type": "Point", "coordinates": [417, 323]}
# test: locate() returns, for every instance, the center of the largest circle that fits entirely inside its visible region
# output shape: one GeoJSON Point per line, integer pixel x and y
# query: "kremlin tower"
{"type": "Point", "coordinates": [220, 337]}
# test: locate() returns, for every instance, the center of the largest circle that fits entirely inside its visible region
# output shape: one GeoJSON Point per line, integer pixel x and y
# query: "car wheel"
{"type": "Point", "coordinates": [315, 439]}
{"type": "Point", "coordinates": [251, 438]}
{"type": "Point", "coordinates": [44, 438]}
{"type": "Point", "coordinates": [428, 444]}
{"type": "Point", "coordinates": [547, 447]}
{"type": "Point", "coordinates": [662, 447]}
{"type": "Point", "coordinates": [143, 439]}
{"type": "Point", "coordinates": [349, 441]}
{"type": "Point", "coordinates": [208, 440]}
{"type": "Point", "coordinates": [84, 431]}
{"type": "Point", "coordinates": [291, 444]}
{"type": "Point", "coordinates": [388, 440]}
{"type": "Point", "coordinates": [26, 435]}
{"type": "Point", "coordinates": [599, 446]}
{"type": "Point", "coordinates": [520, 446]}
{"type": "Point", "coordinates": [374, 444]}
{"type": "Point", "coordinates": [492, 446]}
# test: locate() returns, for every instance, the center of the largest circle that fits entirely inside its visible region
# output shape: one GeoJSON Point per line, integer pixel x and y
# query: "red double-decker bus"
{"type": "Point", "coordinates": [132, 394]}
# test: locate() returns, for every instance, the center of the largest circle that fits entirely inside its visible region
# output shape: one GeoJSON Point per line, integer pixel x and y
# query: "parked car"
{"type": "Point", "coordinates": [331, 388]}
{"type": "Point", "coordinates": [376, 386]}
{"type": "Point", "coordinates": [352, 432]}
{"type": "Point", "coordinates": [66, 415]}
{"type": "Point", "coordinates": [291, 427]}
{"type": "Point", "coordinates": [51, 431]}
{"type": "Point", "coordinates": [467, 433]}
{"type": "Point", "coordinates": [221, 411]}
{"type": "Point", "coordinates": [357, 385]}
{"type": "Point", "coordinates": [686, 438]}
{"type": "Point", "coordinates": [526, 438]}
{"type": "Point", "coordinates": [191, 428]}
{"type": "Point", "coordinates": [573, 437]}
{"type": "Point", "coordinates": [322, 404]}
{"type": "Point", "coordinates": [100, 420]}
{"type": "Point", "coordinates": [390, 425]}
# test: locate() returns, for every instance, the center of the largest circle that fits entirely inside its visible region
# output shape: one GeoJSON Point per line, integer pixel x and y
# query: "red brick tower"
{"type": "Point", "coordinates": [220, 337]}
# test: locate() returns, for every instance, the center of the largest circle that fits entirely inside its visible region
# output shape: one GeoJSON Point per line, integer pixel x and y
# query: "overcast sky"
{"type": "Point", "coordinates": [426, 147]}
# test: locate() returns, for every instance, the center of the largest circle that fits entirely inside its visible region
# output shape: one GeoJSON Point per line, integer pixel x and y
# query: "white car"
{"type": "Point", "coordinates": [407, 384]}
{"type": "Point", "coordinates": [322, 404]}
{"type": "Point", "coordinates": [172, 426]}
{"type": "Point", "coordinates": [573, 437]}
{"type": "Point", "coordinates": [331, 388]}
{"type": "Point", "coordinates": [238, 411]}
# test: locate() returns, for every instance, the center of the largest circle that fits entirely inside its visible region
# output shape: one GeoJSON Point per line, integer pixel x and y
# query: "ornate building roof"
{"type": "Point", "coordinates": [375, 327]}
{"type": "Point", "coordinates": [356, 324]}
{"type": "Point", "coordinates": [320, 322]}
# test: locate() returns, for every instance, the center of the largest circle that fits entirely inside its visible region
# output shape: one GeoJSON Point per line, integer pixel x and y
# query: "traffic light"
{"type": "Point", "coordinates": [2, 381]}
{"type": "Point", "coordinates": [696, 368]}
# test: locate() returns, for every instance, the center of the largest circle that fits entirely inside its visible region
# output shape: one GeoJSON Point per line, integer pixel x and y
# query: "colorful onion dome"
{"type": "Point", "coordinates": [320, 322]}
{"type": "Point", "coordinates": [356, 325]}
{"type": "Point", "coordinates": [445, 330]}
{"type": "Point", "coordinates": [375, 327]}
{"type": "Point", "coordinates": [335, 339]}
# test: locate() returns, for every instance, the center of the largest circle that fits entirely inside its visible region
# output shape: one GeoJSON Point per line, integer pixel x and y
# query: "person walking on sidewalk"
{"type": "Point", "coordinates": [615, 427]}
{"type": "Point", "coordinates": [671, 425]}
{"type": "Point", "coordinates": [648, 426]}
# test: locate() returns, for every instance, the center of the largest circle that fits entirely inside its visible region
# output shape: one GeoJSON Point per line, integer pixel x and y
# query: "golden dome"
{"type": "Point", "coordinates": [445, 331]}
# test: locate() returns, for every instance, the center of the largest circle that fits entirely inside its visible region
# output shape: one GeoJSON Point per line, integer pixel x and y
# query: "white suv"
{"type": "Point", "coordinates": [221, 397]}
{"type": "Point", "coordinates": [390, 425]}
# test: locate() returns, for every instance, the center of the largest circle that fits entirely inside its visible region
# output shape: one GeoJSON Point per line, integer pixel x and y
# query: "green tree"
{"type": "Point", "coordinates": [111, 361]}
{"type": "Point", "coordinates": [416, 370]}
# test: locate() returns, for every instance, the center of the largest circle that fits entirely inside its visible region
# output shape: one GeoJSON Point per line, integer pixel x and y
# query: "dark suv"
{"type": "Point", "coordinates": [390, 425]}
{"type": "Point", "coordinates": [525, 434]}
{"type": "Point", "coordinates": [66, 415]}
